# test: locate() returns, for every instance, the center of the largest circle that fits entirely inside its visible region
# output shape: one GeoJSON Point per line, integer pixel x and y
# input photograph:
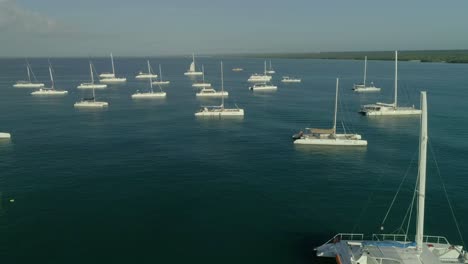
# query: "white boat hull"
{"type": "Point", "coordinates": [221, 112]}
{"type": "Point", "coordinates": [330, 142]}
{"type": "Point", "coordinates": [28, 85]}
{"type": "Point", "coordinates": [106, 75]}
{"type": "Point", "coordinates": [161, 82]}
{"type": "Point", "coordinates": [215, 94]}
{"type": "Point", "coordinates": [47, 92]}
{"type": "Point", "coordinates": [91, 104]}
{"type": "Point", "coordinates": [290, 81]}
{"type": "Point", "coordinates": [146, 76]}
{"type": "Point", "coordinates": [5, 135]}
{"type": "Point", "coordinates": [193, 73]}
{"type": "Point", "coordinates": [361, 89]}
{"type": "Point", "coordinates": [113, 80]}
{"type": "Point", "coordinates": [91, 86]}
{"type": "Point", "coordinates": [148, 95]}
{"type": "Point", "coordinates": [257, 79]}
{"type": "Point", "coordinates": [201, 85]}
{"type": "Point", "coordinates": [263, 88]}
{"type": "Point", "coordinates": [393, 112]}
{"type": "Point", "coordinates": [270, 72]}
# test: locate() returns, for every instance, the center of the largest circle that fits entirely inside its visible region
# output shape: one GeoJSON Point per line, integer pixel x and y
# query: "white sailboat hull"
{"type": "Point", "coordinates": [214, 94]}
{"type": "Point", "coordinates": [291, 81]}
{"type": "Point", "coordinates": [5, 135]}
{"type": "Point", "coordinates": [49, 92]}
{"type": "Point", "coordinates": [221, 112]}
{"type": "Point", "coordinates": [28, 85]}
{"type": "Point", "coordinates": [113, 80]}
{"type": "Point", "coordinates": [259, 78]}
{"type": "Point", "coordinates": [91, 86]}
{"type": "Point", "coordinates": [359, 88]}
{"type": "Point", "coordinates": [263, 88]}
{"type": "Point", "coordinates": [390, 111]}
{"type": "Point", "coordinates": [146, 76]}
{"type": "Point", "coordinates": [106, 75]}
{"type": "Point", "coordinates": [201, 85]}
{"type": "Point", "coordinates": [331, 141]}
{"type": "Point", "coordinates": [193, 73]}
{"type": "Point", "coordinates": [90, 104]}
{"type": "Point", "coordinates": [149, 95]}
{"type": "Point", "coordinates": [161, 82]}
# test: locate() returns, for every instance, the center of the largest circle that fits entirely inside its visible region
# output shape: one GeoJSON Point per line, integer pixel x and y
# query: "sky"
{"type": "Point", "coordinates": [56, 28]}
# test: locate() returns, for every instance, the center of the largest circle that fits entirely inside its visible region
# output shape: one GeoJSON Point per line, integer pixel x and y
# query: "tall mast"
{"type": "Point", "coordinates": [29, 73]}
{"type": "Point", "coordinates": [91, 71]}
{"type": "Point", "coordinates": [222, 86]}
{"type": "Point", "coordinates": [203, 72]}
{"type": "Point", "coordinates": [270, 65]}
{"type": "Point", "coordinates": [112, 61]}
{"type": "Point", "coordinates": [151, 83]}
{"type": "Point", "coordinates": [336, 105]}
{"type": "Point", "coordinates": [396, 78]}
{"type": "Point", "coordinates": [51, 77]}
{"type": "Point", "coordinates": [149, 67]}
{"type": "Point", "coordinates": [94, 95]}
{"type": "Point", "coordinates": [193, 60]}
{"type": "Point", "coordinates": [365, 70]}
{"type": "Point", "coordinates": [422, 173]}
{"type": "Point", "coordinates": [160, 73]}
{"type": "Point", "coordinates": [264, 71]}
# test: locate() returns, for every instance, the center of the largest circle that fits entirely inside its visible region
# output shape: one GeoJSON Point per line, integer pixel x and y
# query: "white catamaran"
{"type": "Point", "coordinates": [363, 87]}
{"type": "Point", "coordinates": [161, 81]}
{"type": "Point", "coordinates": [148, 75]}
{"type": "Point", "coordinates": [192, 70]}
{"type": "Point", "coordinates": [349, 248]}
{"type": "Point", "coordinates": [150, 94]}
{"type": "Point", "coordinates": [202, 84]}
{"type": "Point", "coordinates": [91, 102]}
{"type": "Point", "coordinates": [110, 78]}
{"type": "Point", "coordinates": [329, 137]}
{"type": "Point", "coordinates": [29, 83]}
{"type": "Point", "coordinates": [219, 111]}
{"type": "Point", "coordinates": [260, 77]}
{"type": "Point", "coordinates": [50, 91]}
{"type": "Point", "coordinates": [382, 109]}
{"type": "Point", "coordinates": [92, 84]}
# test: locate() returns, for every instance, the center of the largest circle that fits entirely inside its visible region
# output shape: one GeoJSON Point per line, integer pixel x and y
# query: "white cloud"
{"type": "Point", "coordinates": [16, 19]}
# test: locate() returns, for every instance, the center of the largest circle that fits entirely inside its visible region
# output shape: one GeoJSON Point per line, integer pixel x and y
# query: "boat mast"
{"type": "Point", "coordinates": [264, 71]}
{"type": "Point", "coordinates": [396, 78]}
{"type": "Point", "coordinates": [149, 67]}
{"type": "Point", "coordinates": [94, 95]}
{"type": "Point", "coordinates": [270, 66]}
{"type": "Point", "coordinates": [203, 72]}
{"type": "Point", "coordinates": [112, 61]}
{"type": "Point", "coordinates": [160, 73]}
{"type": "Point", "coordinates": [91, 71]}
{"type": "Point", "coordinates": [365, 70]}
{"type": "Point", "coordinates": [336, 105]}
{"type": "Point", "coordinates": [222, 86]}
{"type": "Point", "coordinates": [193, 60]}
{"type": "Point", "coordinates": [51, 77]}
{"type": "Point", "coordinates": [422, 173]}
{"type": "Point", "coordinates": [29, 73]}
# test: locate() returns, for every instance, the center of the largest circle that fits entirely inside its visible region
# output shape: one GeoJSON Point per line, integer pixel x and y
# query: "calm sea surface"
{"type": "Point", "coordinates": [147, 182]}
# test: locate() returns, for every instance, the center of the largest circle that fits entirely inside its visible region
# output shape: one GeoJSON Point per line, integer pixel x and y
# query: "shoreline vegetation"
{"type": "Point", "coordinates": [442, 56]}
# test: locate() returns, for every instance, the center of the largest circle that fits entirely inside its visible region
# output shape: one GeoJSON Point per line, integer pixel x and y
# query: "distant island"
{"type": "Point", "coordinates": [448, 56]}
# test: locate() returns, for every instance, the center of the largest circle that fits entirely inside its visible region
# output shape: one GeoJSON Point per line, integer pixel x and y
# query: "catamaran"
{"type": "Point", "coordinates": [28, 83]}
{"type": "Point", "coordinates": [351, 248]}
{"type": "Point", "coordinates": [90, 102]}
{"type": "Point", "coordinates": [110, 78]}
{"type": "Point", "coordinates": [51, 90]}
{"type": "Point", "coordinates": [220, 110]}
{"type": "Point", "coordinates": [150, 94]}
{"type": "Point", "coordinates": [263, 87]}
{"type": "Point", "coordinates": [362, 87]}
{"type": "Point", "coordinates": [270, 70]}
{"type": "Point", "coordinates": [287, 79]}
{"type": "Point", "coordinates": [260, 77]}
{"type": "Point", "coordinates": [91, 85]}
{"type": "Point", "coordinates": [148, 75]}
{"type": "Point", "coordinates": [192, 70]}
{"type": "Point", "coordinates": [202, 84]}
{"type": "Point", "coordinates": [381, 109]}
{"type": "Point", "coordinates": [329, 137]}
{"type": "Point", "coordinates": [161, 81]}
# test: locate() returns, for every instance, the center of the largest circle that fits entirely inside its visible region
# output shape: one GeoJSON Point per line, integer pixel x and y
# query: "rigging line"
{"type": "Point", "coordinates": [398, 191]}
{"type": "Point", "coordinates": [446, 194]}
{"type": "Point", "coordinates": [411, 206]}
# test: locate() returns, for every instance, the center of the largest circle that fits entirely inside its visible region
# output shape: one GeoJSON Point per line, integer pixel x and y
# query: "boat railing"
{"type": "Point", "coordinates": [386, 261]}
{"type": "Point", "coordinates": [436, 239]}
{"type": "Point", "coordinates": [390, 237]}
{"type": "Point", "coordinates": [345, 236]}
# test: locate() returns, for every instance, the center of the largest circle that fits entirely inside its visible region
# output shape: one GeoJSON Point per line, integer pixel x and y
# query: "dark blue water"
{"type": "Point", "coordinates": [147, 182]}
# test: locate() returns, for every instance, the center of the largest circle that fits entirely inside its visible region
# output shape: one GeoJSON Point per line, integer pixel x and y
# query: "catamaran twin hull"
{"type": "Point", "coordinates": [28, 85]}
{"type": "Point", "coordinates": [330, 142]}
{"type": "Point", "coordinates": [221, 113]}
{"type": "Point", "coordinates": [148, 95]}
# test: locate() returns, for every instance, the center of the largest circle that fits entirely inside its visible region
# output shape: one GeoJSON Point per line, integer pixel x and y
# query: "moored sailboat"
{"type": "Point", "coordinates": [29, 83]}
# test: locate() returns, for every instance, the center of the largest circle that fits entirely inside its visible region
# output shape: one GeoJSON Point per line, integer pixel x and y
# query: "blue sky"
{"type": "Point", "coordinates": [163, 27]}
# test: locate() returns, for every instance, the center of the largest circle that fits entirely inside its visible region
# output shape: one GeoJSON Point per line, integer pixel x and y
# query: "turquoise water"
{"type": "Point", "coordinates": [147, 182]}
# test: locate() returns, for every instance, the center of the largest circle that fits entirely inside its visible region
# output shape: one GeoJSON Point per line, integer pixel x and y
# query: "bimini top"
{"type": "Point", "coordinates": [396, 244]}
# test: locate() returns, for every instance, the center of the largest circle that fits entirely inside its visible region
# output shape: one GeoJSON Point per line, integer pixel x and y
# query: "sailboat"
{"type": "Point", "coordinates": [28, 83]}
{"type": "Point", "coordinates": [270, 70]}
{"type": "Point", "coordinates": [208, 91]}
{"type": "Point", "coordinates": [260, 77]}
{"type": "Point", "coordinates": [350, 248]}
{"type": "Point", "coordinates": [362, 87]}
{"type": "Point", "coordinates": [91, 85]}
{"type": "Point", "coordinates": [263, 87]}
{"type": "Point", "coordinates": [220, 110]}
{"type": "Point", "coordinates": [51, 90]}
{"type": "Point", "coordinates": [110, 78]}
{"type": "Point", "coordinates": [90, 102]}
{"type": "Point", "coordinates": [192, 70]}
{"type": "Point", "coordinates": [380, 109]}
{"type": "Point", "coordinates": [202, 84]}
{"type": "Point", "coordinates": [151, 93]}
{"type": "Point", "coordinates": [329, 137]}
{"type": "Point", "coordinates": [144, 75]}
{"type": "Point", "coordinates": [161, 81]}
